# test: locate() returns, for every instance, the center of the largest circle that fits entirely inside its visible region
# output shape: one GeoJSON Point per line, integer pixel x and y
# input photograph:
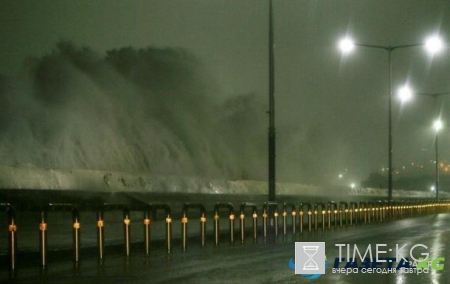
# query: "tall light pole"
{"type": "Point", "coordinates": [271, 108]}
{"type": "Point", "coordinates": [433, 45]}
{"type": "Point", "coordinates": [437, 125]}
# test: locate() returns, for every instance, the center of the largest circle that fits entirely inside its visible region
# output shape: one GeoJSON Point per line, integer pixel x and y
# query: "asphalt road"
{"type": "Point", "coordinates": [260, 262]}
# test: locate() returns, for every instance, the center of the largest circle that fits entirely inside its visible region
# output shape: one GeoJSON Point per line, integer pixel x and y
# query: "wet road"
{"type": "Point", "coordinates": [260, 262]}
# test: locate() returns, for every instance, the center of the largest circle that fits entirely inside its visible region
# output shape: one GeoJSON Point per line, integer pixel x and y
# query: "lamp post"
{"type": "Point", "coordinates": [433, 44]}
{"type": "Point", "coordinates": [437, 125]}
{"type": "Point", "coordinates": [271, 107]}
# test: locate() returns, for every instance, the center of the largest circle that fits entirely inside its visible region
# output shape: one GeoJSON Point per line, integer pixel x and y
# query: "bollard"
{"type": "Point", "coordinates": [395, 210]}
{"type": "Point", "coordinates": [383, 211]}
{"type": "Point", "coordinates": [309, 213]}
{"type": "Point", "coordinates": [379, 211]}
{"type": "Point", "coordinates": [309, 220]}
{"type": "Point", "coordinates": [184, 223]}
{"type": "Point", "coordinates": [293, 214]}
{"type": "Point", "coordinates": [389, 210]}
{"type": "Point", "coordinates": [147, 230]}
{"type": "Point", "coordinates": [301, 218]}
{"type": "Point", "coordinates": [369, 212]}
{"type": "Point", "coordinates": [376, 212]}
{"type": "Point", "coordinates": [100, 234]}
{"type": "Point", "coordinates": [242, 220]}
{"type": "Point", "coordinates": [12, 236]}
{"type": "Point", "coordinates": [168, 216]}
{"type": "Point", "coordinates": [266, 213]}
{"type": "Point", "coordinates": [76, 225]}
{"type": "Point", "coordinates": [353, 211]}
{"type": "Point", "coordinates": [357, 213]}
{"type": "Point", "coordinates": [126, 230]}
{"type": "Point", "coordinates": [126, 227]}
{"type": "Point", "coordinates": [319, 209]}
{"type": "Point", "coordinates": [315, 217]}
{"type": "Point", "coordinates": [329, 215]}
{"type": "Point", "coordinates": [230, 208]}
{"type": "Point", "coordinates": [402, 209]}
{"type": "Point", "coordinates": [332, 209]}
{"type": "Point", "coordinates": [43, 238]}
{"type": "Point", "coordinates": [343, 209]}
{"type": "Point", "coordinates": [363, 211]}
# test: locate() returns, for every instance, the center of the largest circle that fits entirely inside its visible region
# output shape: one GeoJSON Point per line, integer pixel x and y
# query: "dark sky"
{"type": "Point", "coordinates": [331, 111]}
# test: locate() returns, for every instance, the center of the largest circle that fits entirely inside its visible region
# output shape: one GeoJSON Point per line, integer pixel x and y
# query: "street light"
{"type": "Point", "coordinates": [433, 45]}
{"type": "Point", "coordinates": [437, 125]}
{"type": "Point", "coordinates": [405, 94]}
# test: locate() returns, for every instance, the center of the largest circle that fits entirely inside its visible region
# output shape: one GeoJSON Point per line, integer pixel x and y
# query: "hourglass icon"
{"type": "Point", "coordinates": [310, 264]}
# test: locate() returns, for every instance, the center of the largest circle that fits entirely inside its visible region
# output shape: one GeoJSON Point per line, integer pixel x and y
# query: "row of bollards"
{"type": "Point", "coordinates": [319, 214]}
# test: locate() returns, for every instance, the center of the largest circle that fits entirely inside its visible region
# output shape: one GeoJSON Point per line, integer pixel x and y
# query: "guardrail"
{"type": "Point", "coordinates": [230, 208]}
{"type": "Point", "coordinates": [287, 205]}
{"type": "Point", "coordinates": [153, 209]}
{"type": "Point", "coordinates": [101, 224]}
{"type": "Point", "coordinates": [43, 226]}
{"type": "Point", "coordinates": [346, 214]}
{"type": "Point", "coordinates": [184, 223]}
{"type": "Point", "coordinates": [266, 213]}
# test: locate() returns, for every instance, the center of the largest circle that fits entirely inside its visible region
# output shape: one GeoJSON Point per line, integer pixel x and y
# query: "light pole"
{"type": "Point", "coordinates": [271, 107]}
{"type": "Point", "coordinates": [437, 125]}
{"type": "Point", "coordinates": [433, 44]}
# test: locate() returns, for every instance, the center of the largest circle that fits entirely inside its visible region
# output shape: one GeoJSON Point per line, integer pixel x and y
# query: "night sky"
{"type": "Point", "coordinates": [331, 110]}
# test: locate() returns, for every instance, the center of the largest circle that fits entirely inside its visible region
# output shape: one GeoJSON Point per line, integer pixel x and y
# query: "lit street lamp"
{"type": "Point", "coordinates": [405, 94]}
{"type": "Point", "coordinates": [437, 125]}
{"type": "Point", "coordinates": [433, 45]}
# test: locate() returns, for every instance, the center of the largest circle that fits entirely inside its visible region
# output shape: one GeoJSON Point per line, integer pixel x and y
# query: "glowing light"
{"type": "Point", "coordinates": [405, 94]}
{"type": "Point", "coordinates": [340, 175]}
{"type": "Point", "coordinates": [437, 125]}
{"type": "Point", "coordinates": [432, 188]}
{"type": "Point", "coordinates": [434, 44]}
{"type": "Point", "coordinates": [346, 45]}
{"type": "Point", "coordinates": [352, 185]}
